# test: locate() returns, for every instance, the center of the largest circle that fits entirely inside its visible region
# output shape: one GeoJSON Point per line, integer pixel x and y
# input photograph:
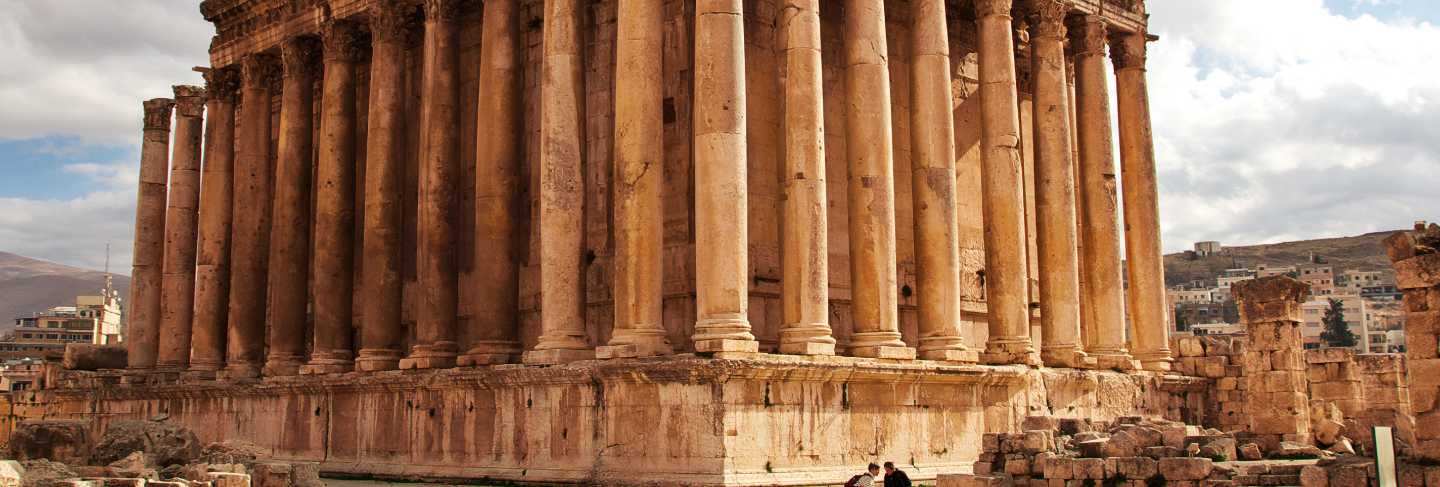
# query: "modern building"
{"type": "Point", "coordinates": [1209, 247]}
{"type": "Point", "coordinates": [20, 374]}
{"type": "Point", "coordinates": [93, 319]}
{"type": "Point", "coordinates": [1320, 277]}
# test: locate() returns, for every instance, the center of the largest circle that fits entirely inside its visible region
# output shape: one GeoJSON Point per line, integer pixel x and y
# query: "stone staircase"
{"type": "Point", "coordinates": [1268, 473]}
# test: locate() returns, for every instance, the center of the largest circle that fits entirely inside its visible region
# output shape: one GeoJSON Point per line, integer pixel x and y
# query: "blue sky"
{"type": "Point", "coordinates": [1274, 119]}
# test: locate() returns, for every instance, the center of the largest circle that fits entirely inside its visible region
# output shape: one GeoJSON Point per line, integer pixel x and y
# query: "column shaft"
{"type": "Point", "coordinates": [562, 190]}
{"type": "Point", "coordinates": [495, 331]}
{"type": "Point", "coordinates": [639, 160]}
{"type": "Point", "coordinates": [334, 284]}
{"type": "Point", "coordinates": [177, 302]}
{"type": "Point", "coordinates": [722, 269]}
{"type": "Point", "coordinates": [142, 334]}
{"type": "Point", "coordinates": [435, 345]}
{"type": "Point", "coordinates": [381, 283]}
{"type": "Point", "coordinates": [290, 226]}
{"type": "Point", "coordinates": [250, 237]}
{"type": "Point", "coordinates": [873, 282]}
{"type": "Point", "coordinates": [805, 288]}
{"type": "Point", "coordinates": [1006, 285]}
{"type": "Point", "coordinates": [1149, 316]}
{"type": "Point", "coordinates": [1055, 190]}
{"type": "Point", "coordinates": [932, 136]}
{"type": "Point", "coordinates": [212, 260]}
{"type": "Point", "coordinates": [1100, 253]}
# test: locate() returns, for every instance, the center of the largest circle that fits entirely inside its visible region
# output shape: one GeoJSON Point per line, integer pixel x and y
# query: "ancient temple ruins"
{"type": "Point", "coordinates": [724, 242]}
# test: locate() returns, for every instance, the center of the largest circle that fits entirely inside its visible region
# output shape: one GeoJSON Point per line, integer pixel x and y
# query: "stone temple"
{"type": "Point", "coordinates": [718, 242]}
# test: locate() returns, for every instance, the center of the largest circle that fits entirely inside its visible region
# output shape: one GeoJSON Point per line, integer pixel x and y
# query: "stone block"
{"type": "Point", "coordinates": [968, 480]}
{"type": "Point", "coordinates": [1060, 468]}
{"type": "Point", "coordinates": [1181, 468]}
{"type": "Point", "coordinates": [1314, 476]}
{"type": "Point", "coordinates": [556, 356]}
{"type": "Point", "coordinates": [1017, 465]}
{"type": "Point", "coordinates": [61, 441]}
{"type": "Point", "coordinates": [1420, 271]}
{"type": "Point", "coordinates": [85, 356]}
{"type": "Point", "coordinates": [1033, 442]}
{"type": "Point", "coordinates": [1249, 452]}
{"type": "Point", "coordinates": [884, 352]}
{"type": "Point", "coordinates": [12, 474]}
{"type": "Point", "coordinates": [1400, 246]}
{"type": "Point", "coordinates": [956, 356]}
{"type": "Point", "coordinates": [1190, 347]}
{"type": "Point", "coordinates": [721, 345]}
{"type": "Point", "coordinates": [1432, 476]}
{"type": "Point", "coordinates": [1089, 468]}
{"type": "Point", "coordinates": [1134, 468]}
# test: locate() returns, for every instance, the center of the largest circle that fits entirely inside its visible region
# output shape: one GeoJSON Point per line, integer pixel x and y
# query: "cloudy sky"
{"type": "Point", "coordinates": [1274, 119]}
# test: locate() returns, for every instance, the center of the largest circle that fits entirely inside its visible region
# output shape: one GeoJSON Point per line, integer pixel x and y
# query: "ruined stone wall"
{"type": "Point", "coordinates": [1216, 358]}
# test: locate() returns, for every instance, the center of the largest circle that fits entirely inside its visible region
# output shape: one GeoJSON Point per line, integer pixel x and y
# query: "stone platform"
{"type": "Point", "coordinates": [747, 419]}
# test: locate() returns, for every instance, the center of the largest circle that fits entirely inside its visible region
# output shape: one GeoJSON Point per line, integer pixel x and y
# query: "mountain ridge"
{"type": "Point", "coordinates": [29, 285]}
{"type": "Point", "coordinates": [1361, 252]}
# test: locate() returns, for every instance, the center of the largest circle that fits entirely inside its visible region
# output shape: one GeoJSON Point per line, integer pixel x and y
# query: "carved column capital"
{"type": "Point", "coordinates": [1127, 51]}
{"type": "Point", "coordinates": [342, 40]}
{"type": "Point", "coordinates": [1047, 18]}
{"type": "Point", "coordinates": [258, 70]}
{"type": "Point", "coordinates": [221, 83]}
{"type": "Point", "coordinates": [986, 8]}
{"type": "Point", "coordinates": [391, 21]}
{"type": "Point", "coordinates": [157, 113]}
{"type": "Point", "coordinates": [442, 10]}
{"type": "Point", "coordinates": [297, 55]}
{"type": "Point", "coordinates": [1088, 35]}
{"type": "Point", "coordinates": [189, 100]}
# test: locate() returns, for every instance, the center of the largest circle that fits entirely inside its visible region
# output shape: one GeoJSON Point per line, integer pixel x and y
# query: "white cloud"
{"type": "Point", "coordinates": [75, 231]}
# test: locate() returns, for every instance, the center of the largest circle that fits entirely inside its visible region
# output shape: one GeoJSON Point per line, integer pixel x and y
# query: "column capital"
{"type": "Point", "coordinates": [342, 40]}
{"type": "Point", "coordinates": [391, 21]}
{"type": "Point", "coordinates": [442, 10]}
{"type": "Point", "coordinates": [157, 113]}
{"type": "Point", "coordinates": [986, 8]}
{"type": "Point", "coordinates": [297, 56]}
{"type": "Point", "coordinates": [189, 100]}
{"type": "Point", "coordinates": [221, 83]}
{"type": "Point", "coordinates": [1088, 35]}
{"type": "Point", "coordinates": [1047, 18]}
{"type": "Point", "coordinates": [258, 69]}
{"type": "Point", "coordinates": [1127, 51]}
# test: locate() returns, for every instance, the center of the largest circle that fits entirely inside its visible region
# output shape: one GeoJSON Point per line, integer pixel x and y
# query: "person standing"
{"type": "Point", "coordinates": [895, 477]}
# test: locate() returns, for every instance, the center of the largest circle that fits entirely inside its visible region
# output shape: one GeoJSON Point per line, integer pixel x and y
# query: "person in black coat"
{"type": "Point", "coordinates": [895, 477]}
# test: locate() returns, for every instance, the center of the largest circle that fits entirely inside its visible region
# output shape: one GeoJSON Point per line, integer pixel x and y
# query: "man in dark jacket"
{"type": "Point", "coordinates": [895, 477]}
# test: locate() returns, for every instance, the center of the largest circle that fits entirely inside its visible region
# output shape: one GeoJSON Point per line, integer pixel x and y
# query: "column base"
{"type": "Point", "coordinates": [136, 376]}
{"type": "Point", "coordinates": [377, 359]}
{"type": "Point", "coordinates": [556, 356]}
{"type": "Point", "coordinates": [206, 366]}
{"type": "Point", "coordinates": [720, 345]}
{"type": "Point", "coordinates": [962, 356]}
{"type": "Point", "coordinates": [1009, 350]}
{"type": "Point", "coordinates": [884, 351]}
{"type": "Point", "coordinates": [241, 370]}
{"type": "Point", "coordinates": [198, 375]}
{"type": "Point", "coordinates": [477, 359]}
{"type": "Point", "coordinates": [438, 355]}
{"type": "Point", "coordinates": [327, 365]}
{"type": "Point", "coordinates": [807, 348]}
{"type": "Point", "coordinates": [1158, 361]}
{"type": "Point", "coordinates": [1067, 357]}
{"type": "Point", "coordinates": [1114, 360]}
{"type": "Point", "coordinates": [283, 365]}
{"type": "Point", "coordinates": [633, 350]}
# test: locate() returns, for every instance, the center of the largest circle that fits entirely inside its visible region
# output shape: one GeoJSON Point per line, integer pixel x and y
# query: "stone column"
{"type": "Point", "coordinates": [1417, 274]}
{"type": "Point", "coordinates": [873, 282]}
{"type": "Point", "coordinates": [932, 134]}
{"type": "Point", "coordinates": [1274, 362]}
{"type": "Point", "coordinates": [334, 284]}
{"type": "Point", "coordinates": [1149, 313]}
{"type": "Point", "coordinates": [381, 283]}
{"type": "Point", "coordinates": [290, 227]}
{"type": "Point", "coordinates": [495, 333]}
{"type": "Point", "coordinates": [805, 288]}
{"type": "Point", "coordinates": [212, 260]}
{"type": "Point", "coordinates": [639, 157]}
{"type": "Point", "coordinates": [1099, 217]}
{"type": "Point", "coordinates": [142, 333]}
{"type": "Point", "coordinates": [562, 190]}
{"type": "Point", "coordinates": [1006, 284]}
{"type": "Point", "coordinates": [177, 287]}
{"type": "Point", "coordinates": [1055, 190]}
{"type": "Point", "coordinates": [722, 269]}
{"type": "Point", "coordinates": [435, 345]}
{"type": "Point", "coordinates": [250, 237]}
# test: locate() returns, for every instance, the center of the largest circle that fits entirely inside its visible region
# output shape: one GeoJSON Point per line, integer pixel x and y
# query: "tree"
{"type": "Point", "coordinates": [1337, 333]}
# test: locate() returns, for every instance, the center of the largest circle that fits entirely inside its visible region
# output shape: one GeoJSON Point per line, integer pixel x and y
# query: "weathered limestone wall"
{"type": "Point", "coordinates": [1369, 390]}
{"type": "Point", "coordinates": [680, 419]}
{"type": "Point", "coordinates": [1416, 258]}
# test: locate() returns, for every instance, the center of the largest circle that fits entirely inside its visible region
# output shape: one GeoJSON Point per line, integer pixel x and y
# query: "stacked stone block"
{"type": "Point", "coordinates": [1278, 408]}
{"type": "Point", "coordinates": [1387, 397]}
{"type": "Point", "coordinates": [1217, 358]}
{"type": "Point", "coordinates": [1416, 258]}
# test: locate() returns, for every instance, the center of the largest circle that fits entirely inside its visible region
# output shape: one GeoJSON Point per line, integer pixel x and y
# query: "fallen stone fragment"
{"type": "Point", "coordinates": [60, 441]}
{"type": "Point", "coordinates": [1250, 452]}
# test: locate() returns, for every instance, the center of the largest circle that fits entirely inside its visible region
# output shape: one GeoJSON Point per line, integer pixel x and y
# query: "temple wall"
{"type": "Point", "coordinates": [681, 420]}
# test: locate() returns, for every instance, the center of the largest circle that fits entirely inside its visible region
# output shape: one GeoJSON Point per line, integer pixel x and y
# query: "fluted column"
{"type": "Point", "coordinates": [177, 302]}
{"type": "Point", "coordinates": [381, 283]}
{"type": "Point", "coordinates": [334, 284]}
{"type": "Point", "coordinates": [873, 282]}
{"type": "Point", "coordinates": [639, 157]}
{"type": "Point", "coordinates": [1149, 315]}
{"type": "Point", "coordinates": [212, 259]}
{"type": "Point", "coordinates": [562, 190]}
{"type": "Point", "coordinates": [722, 269]}
{"type": "Point", "coordinates": [1055, 190]}
{"type": "Point", "coordinates": [805, 288]}
{"type": "Point", "coordinates": [142, 333]}
{"type": "Point", "coordinates": [1099, 217]}
{"type": "Point", "coordinates": [932, 135]}
{"type": "Point", "coordinates": [290, 226]}
{"type": "Point", "coordinates": [1006, 284]}
{"type": "Point", "coordinates": [435, 345]}
{"type": "Point", "coordinates": [495, 332]}
{"type": "Point", "coordinates": [250, 237]}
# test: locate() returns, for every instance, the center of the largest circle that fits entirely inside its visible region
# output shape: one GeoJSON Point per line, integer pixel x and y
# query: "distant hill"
{"type": "Point", "coordinates": [1361, 252]}
{"type": "Point", "coordinates": [28, 285]}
